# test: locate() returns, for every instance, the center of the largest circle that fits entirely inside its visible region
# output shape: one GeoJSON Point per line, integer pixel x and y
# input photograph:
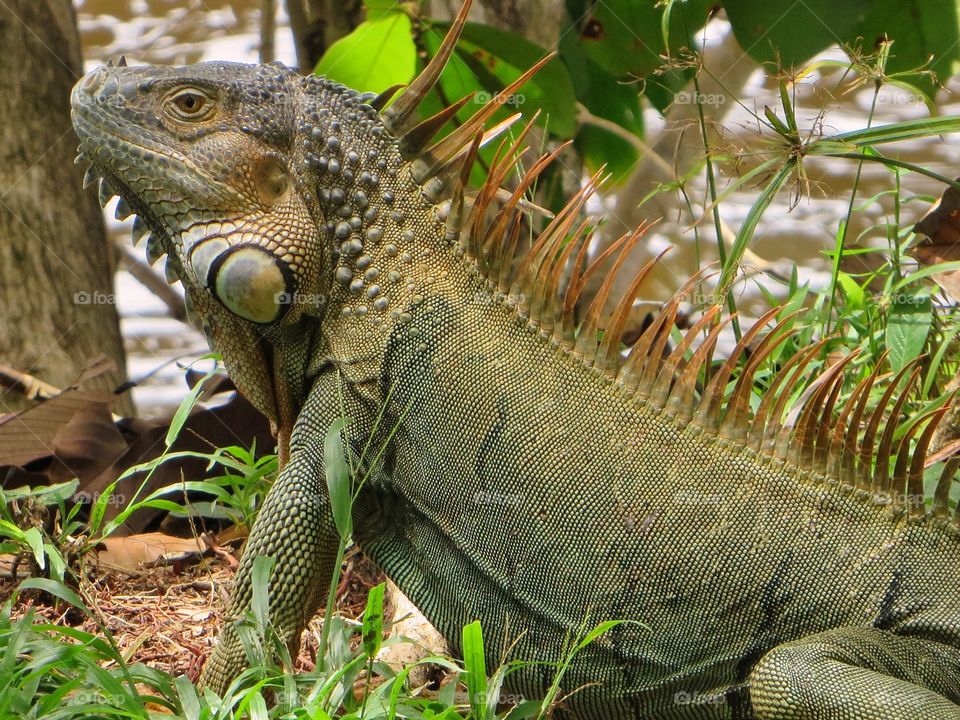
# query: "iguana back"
{"type": "Point", "coordinates": [560, 519]}
{"type": "Point", "coordinates": [522, 469]}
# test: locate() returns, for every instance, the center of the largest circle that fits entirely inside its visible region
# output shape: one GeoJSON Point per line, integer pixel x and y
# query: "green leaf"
{"type": "Point", "coordinates": [921, 30]}
{"type": "Point", "coordinates": [499, 57]}
{"type": "Point", "coordinates": [338, 478]}
{"type": "Point", "coordinates": [894, 132]}
{"type": "Point", "coordinates": [189, 702]}
{"type": "Point", "coordinates": [373, 621]}
{"type": "Point", "coordinates": [378, 54]}
{"type": "Point", "coordinates": [908, 326]}
{"type": "Point", "coordinates": [472, 69]}
{"type": "Point", "coordinates": [745, 235]}
{"type": "Point", "coordinates": [476, 668]}
{"type": "Point", "coordinates": [260, 581]}
{"type": "Point", "coordinates": [10, 530]}
{"type": "Point", "coordinates": [487, 60]}
{"type": "Point", "coordinates": [56, 589]}
{"type": "Point", "coordinates": [599, 630]}
{"type": "Point", "coordinates": [186, 407]}
{"type": "Point", "coordinates": [925, 272]}
{"type": "Point", "coordinates": [610, 100]}
{"type": "Point", "coordinates": [456, 81]}
{"type": "Point", "coordinates": [258, 707]}
{"type": "Point", "coordinates": [45, 495]}
{"type": "Point", "coordinates": [378, 8]}
{"type": "Point", "coordinates": [34, 538]}
{"type": "Point", "coordinates": [791, 33]}
{"type": "Point", "coordinates": [99, 508]}
{"type": "Point", "coordinates": [626, 38]}
{"type": "Point", "coordinates": [852, 292]}
{"type": "Point", "coordinates": [58, 565]}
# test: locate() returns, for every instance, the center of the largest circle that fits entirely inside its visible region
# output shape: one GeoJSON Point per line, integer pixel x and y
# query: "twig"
{"type": "Point", "coordinates": [268, 30]}
{"type": "Point", "coordinates": [145, 275]}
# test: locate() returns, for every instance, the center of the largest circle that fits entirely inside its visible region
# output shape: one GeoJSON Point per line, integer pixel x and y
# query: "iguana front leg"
{"type": "Point", "coordinates": [295, 526]}
{"type": "Point", "coordinates": [857, 674]}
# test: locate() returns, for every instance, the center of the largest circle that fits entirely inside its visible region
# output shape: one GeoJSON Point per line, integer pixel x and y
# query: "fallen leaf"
{"type": "Point", "coordinates": [941, 226]}
{"type": "Point", "coordinates": [134, 552]}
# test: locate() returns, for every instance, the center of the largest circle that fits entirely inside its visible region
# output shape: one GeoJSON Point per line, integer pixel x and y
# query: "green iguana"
{"type": "Point", "coordinates": [534, 474]}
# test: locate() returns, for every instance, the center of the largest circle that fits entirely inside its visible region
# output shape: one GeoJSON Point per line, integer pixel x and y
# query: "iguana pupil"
{"type": "Point", "coordinates": [189, 102]}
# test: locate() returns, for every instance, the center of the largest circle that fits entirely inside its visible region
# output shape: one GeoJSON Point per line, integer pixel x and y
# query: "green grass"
{"type": "Point", "coordinates": [888, 315]}
{"type": "Point", "coordinates": [55, 672]}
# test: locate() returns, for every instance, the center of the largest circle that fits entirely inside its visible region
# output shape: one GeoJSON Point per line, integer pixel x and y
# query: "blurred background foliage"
{"type": "Point", "coordinates": [612, 54]}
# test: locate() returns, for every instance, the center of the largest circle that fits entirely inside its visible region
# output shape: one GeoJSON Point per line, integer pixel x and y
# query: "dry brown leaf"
{"type": "Point", "coordinates": [73, 435]}
{"type": "Point", "coordinates": [941, 226]}
{"type": "Point", "coordinates": [35, 432]}
{"type": "Point", "coordinates": [134, 552]}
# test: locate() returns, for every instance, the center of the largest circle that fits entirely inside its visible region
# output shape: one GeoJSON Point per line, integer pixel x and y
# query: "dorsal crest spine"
{"type": "Point", "coordinates": [547, 287]}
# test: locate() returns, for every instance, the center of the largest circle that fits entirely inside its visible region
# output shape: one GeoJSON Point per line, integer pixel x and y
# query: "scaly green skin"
{"type": "Point", "coordinates": [520, 488]}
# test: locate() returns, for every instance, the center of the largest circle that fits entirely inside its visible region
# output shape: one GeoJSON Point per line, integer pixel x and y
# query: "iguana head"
{"type": "Point", "coordinates": [263, 187]}
{"type": "Point", "coordinates": [250, 178]}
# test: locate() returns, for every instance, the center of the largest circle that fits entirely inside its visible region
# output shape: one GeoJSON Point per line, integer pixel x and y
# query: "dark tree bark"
{"type": "Point", "coordinates": [56, 266]}
{"type": "Point", "coordinates": [317, 24]}
{"type": "Point", "coordinates": [539, 21]}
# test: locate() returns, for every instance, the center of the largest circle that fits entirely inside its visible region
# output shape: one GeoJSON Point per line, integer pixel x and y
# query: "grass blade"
{"type": "Point", "coordinates": [732, 262]}
{"type": "Point", "coordinates": [476, 669]}
{"type": "Point", "coordinates": [338, 477]}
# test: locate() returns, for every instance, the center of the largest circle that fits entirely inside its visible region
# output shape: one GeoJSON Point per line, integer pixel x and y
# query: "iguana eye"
{"type": "Point", "coordinates": [190, 104]}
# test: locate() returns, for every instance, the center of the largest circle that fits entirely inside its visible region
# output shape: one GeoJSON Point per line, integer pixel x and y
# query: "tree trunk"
{"type": "Point", "coordinates": [317, 24]}
{"type": "Point", "coordinates": [56, 266]}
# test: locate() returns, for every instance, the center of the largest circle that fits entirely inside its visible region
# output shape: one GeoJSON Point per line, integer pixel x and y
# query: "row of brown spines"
{"type": "Point", "coordinates": [547, 282]}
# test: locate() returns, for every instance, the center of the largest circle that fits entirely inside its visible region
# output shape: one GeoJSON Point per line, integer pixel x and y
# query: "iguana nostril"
{"type": "Point", "coordinates": [92, 81]}
{"type": "Point", "coordinates": [251, 283]}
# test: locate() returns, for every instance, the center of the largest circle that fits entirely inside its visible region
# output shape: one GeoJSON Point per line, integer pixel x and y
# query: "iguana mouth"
{"type": "Point", "coordinates": [146, 225]}
{"type": "Point", "coordinates": [112, 148]}
{"type": "Point", "coordinates": [248, 279]}
{"type": "Point", "coordinates": [222, 257]}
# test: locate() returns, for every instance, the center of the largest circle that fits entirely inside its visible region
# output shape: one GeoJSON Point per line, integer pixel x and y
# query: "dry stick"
{"type": "Point", "coordinates": [268, 30]}
{"type": "Point", "coordinates": [152, 281]}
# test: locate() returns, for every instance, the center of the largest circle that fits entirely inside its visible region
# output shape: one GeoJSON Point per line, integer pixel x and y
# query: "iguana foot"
{"type": "Point", "coordinates": [857, 674]}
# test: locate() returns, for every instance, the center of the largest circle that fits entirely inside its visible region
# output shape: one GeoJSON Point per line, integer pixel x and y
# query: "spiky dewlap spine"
{"type": "Point", "coordinates": [295, 527]}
